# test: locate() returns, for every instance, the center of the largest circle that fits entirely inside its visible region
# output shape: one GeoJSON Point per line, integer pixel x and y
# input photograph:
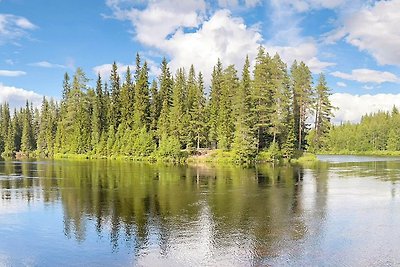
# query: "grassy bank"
{"type": "Point", "coordinates": [214, 156]}
{"type": "Point", "coordinates": [362, 153]}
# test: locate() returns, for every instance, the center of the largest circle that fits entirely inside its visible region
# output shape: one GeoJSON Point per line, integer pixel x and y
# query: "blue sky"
{"type": "Point", "coordinates": [355, 43]}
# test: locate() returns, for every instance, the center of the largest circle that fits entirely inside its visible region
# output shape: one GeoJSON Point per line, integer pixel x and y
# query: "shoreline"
{"type": "Point", "coordinates": [211, 156]}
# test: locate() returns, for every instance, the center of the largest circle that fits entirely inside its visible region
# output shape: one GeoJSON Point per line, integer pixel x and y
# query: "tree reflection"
{"type": "Point", "coordinates": [204, 210]}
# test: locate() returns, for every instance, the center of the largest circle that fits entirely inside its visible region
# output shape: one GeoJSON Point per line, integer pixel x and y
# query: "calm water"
{"type": "Point", "coordinates": [342, 212]}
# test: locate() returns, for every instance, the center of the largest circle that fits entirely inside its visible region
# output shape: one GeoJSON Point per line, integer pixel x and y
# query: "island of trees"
{"type": "Point", "coordinates": [266, 114]}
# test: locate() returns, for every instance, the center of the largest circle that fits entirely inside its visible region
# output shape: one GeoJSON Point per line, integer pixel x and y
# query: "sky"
{"type": "Point", "coordinates": [355, 43]}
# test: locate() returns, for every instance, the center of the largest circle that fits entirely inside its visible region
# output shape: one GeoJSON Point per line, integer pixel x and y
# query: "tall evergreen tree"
{"type": "Point", "coordinates": [166, 83]}
{"type": "Point", "coordinates": [323, 112]}
{"type": "Point", "coordinates": [302, 100]}
{"type": "Point", "coordinates": [198, 114]}
{"type": "Point", "coordinates": [244, 142]}
{"type": "Point", "coordinates": [127, 99]}
{"type": "Point", "coordinates": [214, 103]}
{"type": "Point", "coordinates": [141, 108]}
{"type": "Point", "coordinates": [115, 96]}
{"type": "Point", "coordinates": [154, 107]}
{"type": "Point", "coordinates": [229, 86]}
{"type": "Point", "coordinates": [27, 139]}
{"type": "Point", "coordinates": [261, 97]}
{"type": "Point", "coordinates": [177, 113]}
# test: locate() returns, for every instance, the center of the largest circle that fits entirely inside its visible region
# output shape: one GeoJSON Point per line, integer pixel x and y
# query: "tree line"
{"type": "Point", "coordinates": [269, 110]}
{"type": "Point", "coordinates": [375, 132]}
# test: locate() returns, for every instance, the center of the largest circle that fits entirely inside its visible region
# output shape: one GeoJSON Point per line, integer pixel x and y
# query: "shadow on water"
{"type": "Point", "coordinates": [189, 215]}
{"type": "Point", "coordinates": [142, 205]}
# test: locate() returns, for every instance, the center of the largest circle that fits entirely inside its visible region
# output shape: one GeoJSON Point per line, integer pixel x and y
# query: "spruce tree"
{"type": "Point", "coordinates": [115, 96]}
{"type": "Point", "coordinates": [261, 97]}
{"type": "Point", "coordinates": [177, 113]}
{"type": "Point", "coordinates": [302, 101]}
{"type": "Point", "coordinates": [323, 112]}
{"type": "Point", "coordinates": [141, 108]}
{"type": "Point", "coordinates": [154, 106]}
{"type": "Point", "coordinates": [166, 83]}
{"type": "Point", "coordinates": [214, 103]}
{"type": "Point", "coordinates": [127, 99]}
{"type": "Point", "coordinates": [225, 125]}
{"type": "Point", "coordinates": [27, 139]}
{"type": "Point", "coordinates": [198, 121]}
{"type": "Point", "coordinates": [244, 142]}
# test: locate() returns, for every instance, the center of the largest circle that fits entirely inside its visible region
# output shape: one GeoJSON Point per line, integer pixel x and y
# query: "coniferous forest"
{"type": "Point", "coordinates": [270, 109]}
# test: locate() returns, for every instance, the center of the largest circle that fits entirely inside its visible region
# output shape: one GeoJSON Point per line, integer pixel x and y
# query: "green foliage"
{"type": "Point", "coordinates": [264, 116]}
{"type": "Point", "coordinates": [375, 132]}
{"type": "Point", "coordinates": [169, 149]}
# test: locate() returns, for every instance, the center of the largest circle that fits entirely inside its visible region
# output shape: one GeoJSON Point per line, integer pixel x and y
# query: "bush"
{"type": "Point", "coordinates": [169, 149]}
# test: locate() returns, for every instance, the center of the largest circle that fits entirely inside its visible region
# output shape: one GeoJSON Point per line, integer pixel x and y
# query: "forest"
{"type": "Point", "coordinates": [269, 109]}
{"type": "Point", "coordinates": [377, 133]}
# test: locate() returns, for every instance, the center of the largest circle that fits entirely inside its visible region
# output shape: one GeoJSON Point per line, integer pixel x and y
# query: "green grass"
{"type": "Point", "coordinates": [362, 153]}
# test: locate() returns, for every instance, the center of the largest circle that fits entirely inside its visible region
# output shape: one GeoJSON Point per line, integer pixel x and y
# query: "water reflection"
{"type": "Point", "coordinates": [188, 215]}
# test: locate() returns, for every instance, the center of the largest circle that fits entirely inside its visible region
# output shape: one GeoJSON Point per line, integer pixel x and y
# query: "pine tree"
{"type": "Point", "coordinates": [323, 112]}
{"type": "Point", "coordinates": [127, 100]}
{"type": "Point", "coordinates": [27, 139]}
{"type": "Point", "coordinates": [214, 103]}
{"type": "Point", "coordinates": [154, 107]}
{"type": "Point", "coordinates": [262, 97]}
{"type": "Point", "coordinates": [165, 99]}
{"type": "Point", "coordinates": [302, 100]}
{"type": "Point", "coordinates": [225, 126]}
{"type": "Point", "coordinates": [244, 142]}
{"type": "Point", "coordinates": [141, 108]}
{"type": "Point", "coordinates": [115, 96]}
{"type": "Point", "coordinates": [66, 87]}
{"type": "Point", "coordinates": [197, 112]}
{"type": "Point", "coordinates": [177, 112]}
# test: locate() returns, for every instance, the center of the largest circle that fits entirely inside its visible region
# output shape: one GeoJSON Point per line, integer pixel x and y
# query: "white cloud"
{"type": "Point", "coordinates": [367, 76]}
{"type": "Point", "coordinates": [222, 36]}
{"type": "Point", "coordinates": [306, 52]}
{"type": "Point", "coordinates": [228, 3]}
{"type": "Point", "coordinates": [160, 18]}
{"type": "Point", "coordinates": [252, 3]}
{"type": "Point", "coordinates": [17, 97]}
{"type": "Point", "coordinates": [307, 5]}
{"type": "Point", "coordinates": [236, 3]}
{"type": "Point", "coordinates": [353, 107]}
{"type": "Point", "coordinates": [183, 33]}
{"type": "Point", "coordinates": [341, 84]}
{"type": "Point", "coordinates": [368, 87]}
{"type": "Point", "coordinates": [46, 64]}
{"type": "Point", "coordinates": [12, 73]}
{"type": "Point", "coordinates": [13, 27]}
{"type": "Point", "coordinates": [105, 70]}
{"type": "Point", "coordinates": [374, 29]}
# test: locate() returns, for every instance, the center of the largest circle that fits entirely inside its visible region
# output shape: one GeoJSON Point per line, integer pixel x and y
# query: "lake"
{"type": "Point", "coordinates": [343, 211]}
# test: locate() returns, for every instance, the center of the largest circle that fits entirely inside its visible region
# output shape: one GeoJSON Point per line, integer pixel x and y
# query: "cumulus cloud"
{"type": "Point", "coordinates": [12, 73]}
{"type": "Point", "coordinates": [307, 5]}
{"type": "Point", "coordinates": [222, 36]}
{"type": "Point", "coordinates": [160, 18]}
{"type": "Point", "coordinates": [184, 33]}
{"type": "Point", "coordinates": [341, 84]}
{"type": "Point", "coordinates": [374, 29]}
{"type": "Point", "coordinates": [17, 97]}
{"type": "Point", "coordinates": [105, 70]}
{"type": "Point", "coordinates": [46, 64]}
{"type": "Point", "coordinates": [367, 76]}
{"type": "Point", "coordinates": [13, 27]}
{"type": "Point", "coordinates": [306, 52]}
{"type": "Point", "coordinates": [235, 3]}
{"type": "Point", "coordinates": [187, 33]}
{"type": "Point", "coordinates": [353, 107]}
